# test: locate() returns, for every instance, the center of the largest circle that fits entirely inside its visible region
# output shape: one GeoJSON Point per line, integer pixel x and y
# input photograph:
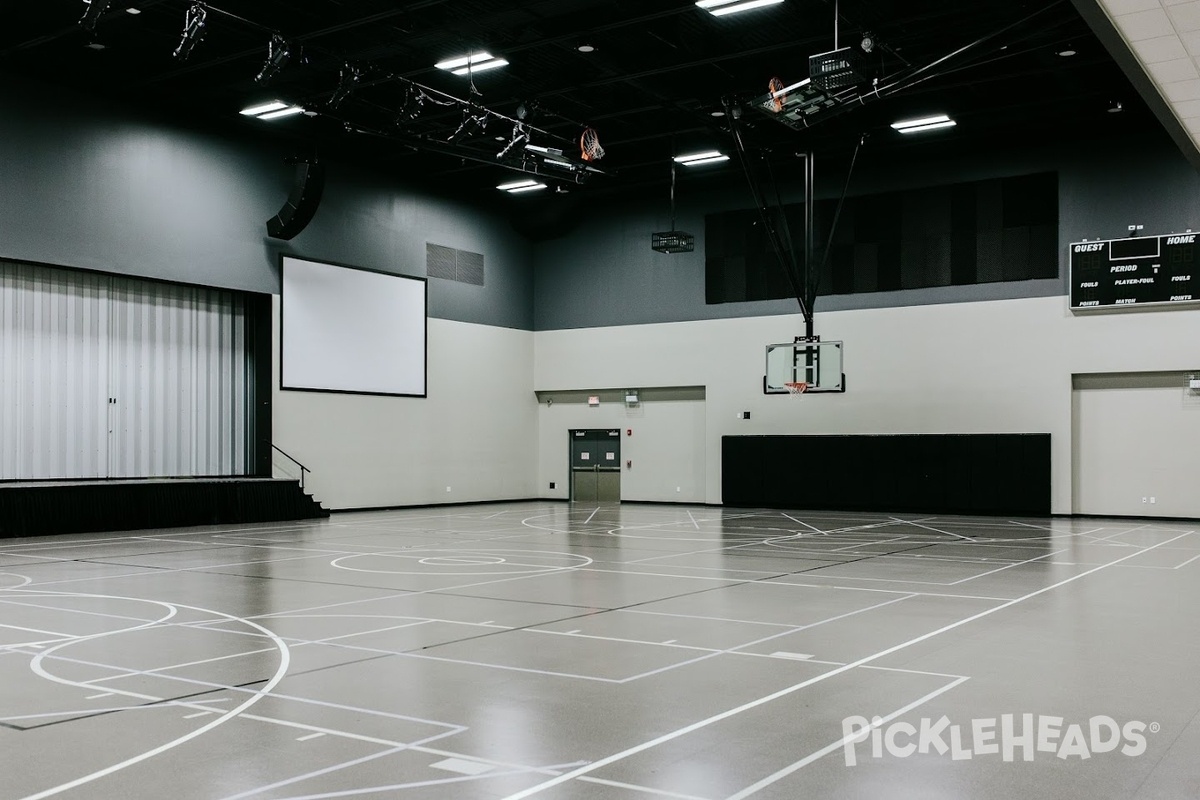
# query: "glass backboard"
{"type": "Point", "coordinates": [819, 364]}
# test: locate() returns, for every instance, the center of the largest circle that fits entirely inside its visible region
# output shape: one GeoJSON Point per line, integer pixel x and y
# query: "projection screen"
{"type": "Point", "coordinates": [350, 330]}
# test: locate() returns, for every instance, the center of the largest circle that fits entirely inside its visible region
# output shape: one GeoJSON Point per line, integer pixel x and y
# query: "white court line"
{"type": "Point", "coordinates": [764, 640]}
{"type": "Point", "coordinates": [1189, 561]}
{"type": "Point", "coordinates": [917, 524]}
{"type": "Point", "coordinates": [316, 773]}
{"type": "Point", "coordinates": [693, 519]}
{"type": "Point", "coordinates": [604, 762]}
{"type": "Point", "coordinates": [311, 736]}
{"type": "Point", "coordinates": [593, 514]}
{"type": "Point", "coordinates": [199, 714]}
{"type": "Point", "coordinates": [37, 630]}
{"type": "Point", "coordinates": [804, 762]}
{"type": "Point", "coordinates": [1010, 566]}
{"type": "Point", "coordinates": [643, 789]}
{"type": "Point", "coordinates": [510, 668]}
{"type": "Point", "coordinates": [284, 662]}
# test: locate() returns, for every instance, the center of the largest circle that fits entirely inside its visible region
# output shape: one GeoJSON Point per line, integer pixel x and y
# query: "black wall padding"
{"type": "Point", "coordinates": [933, 473]}
{"type": "Point", "coordinates": [302, 203]}
{"type": "Point", "coordinates": [52, 508]}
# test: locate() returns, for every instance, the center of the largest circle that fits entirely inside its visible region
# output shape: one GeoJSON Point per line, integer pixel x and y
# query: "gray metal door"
{"type": "Point", "coordinates": [584, 485]}
{"type": "Point", "coordinates": [608, 486]}
{"type": "Point", "coordinates": [596, 465]}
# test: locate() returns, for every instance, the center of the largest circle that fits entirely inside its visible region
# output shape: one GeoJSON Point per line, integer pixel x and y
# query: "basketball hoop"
{"type": "Point", "coordinates": [796, 387]}
{"type": "Point", "coordinates": [589, 146]}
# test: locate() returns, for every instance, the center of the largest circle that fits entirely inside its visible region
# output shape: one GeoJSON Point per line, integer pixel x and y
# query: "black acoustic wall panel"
{"type": "Point", "coordinates": [302, 203]}
{"type": "Point", "coordinates": [932, 473]}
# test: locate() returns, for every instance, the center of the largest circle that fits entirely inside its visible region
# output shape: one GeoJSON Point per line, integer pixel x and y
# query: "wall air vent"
{"type": "Point", "coordinates": [453, 265]}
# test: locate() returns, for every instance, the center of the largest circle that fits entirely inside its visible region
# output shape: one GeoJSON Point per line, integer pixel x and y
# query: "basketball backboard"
{"type": "Point", "coordinates": [819, 364]}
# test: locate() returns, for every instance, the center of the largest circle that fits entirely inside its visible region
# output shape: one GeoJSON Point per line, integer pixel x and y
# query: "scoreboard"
{"type": "Point", "coordinates": [1141, 271]}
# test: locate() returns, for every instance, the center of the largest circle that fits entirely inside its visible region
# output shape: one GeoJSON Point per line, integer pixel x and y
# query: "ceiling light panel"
{"type": "Point", "coordinates": [290, 111]}
{"type": "Point", "coordinates": [470, 64]}
{"type": "Point", "coordinates": [482, 66]}
{"type": "Point", "coordinates": [918, 123]}
{"type": "Point", "coordinates": [720, 8]}
{"type": "Point", "coordinates": [696, 159]}
{"type": "Point", "coordinates": [263, 108]}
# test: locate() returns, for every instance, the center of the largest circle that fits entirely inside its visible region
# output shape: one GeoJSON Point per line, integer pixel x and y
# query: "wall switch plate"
{"type": "Point", "coordinates": [552, 484]}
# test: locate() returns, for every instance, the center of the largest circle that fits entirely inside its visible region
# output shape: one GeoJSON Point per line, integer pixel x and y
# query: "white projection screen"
{"type": "Point", "coordinates": [350, 330]}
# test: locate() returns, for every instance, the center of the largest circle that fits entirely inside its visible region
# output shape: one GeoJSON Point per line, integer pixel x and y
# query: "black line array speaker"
{"type": "Point", "coordinates": [302, 203]}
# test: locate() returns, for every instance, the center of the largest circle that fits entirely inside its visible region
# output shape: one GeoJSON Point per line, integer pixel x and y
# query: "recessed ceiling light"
{"type": "Point", "coordinates": [263, 108]}
{"type": "Point", "coordinates": [696, 159]}
{"type": "Point", "coordinates": [1115, 107]}
{"type": "Point", "coordinates": [95, 46]}
{"type": "Point", "coordinates": [586, 48]}
{"type": "Point", "coordinates": [718, 113]}
{"type": "Point", "coordinates": [924, 124]}
{"type": "Point", "coordinates": [132, 10]}
{"type": "Point", "coordinates": [719, 8]}
{"type": "Point", "coordinates": [1068, 52]}
{"type": "Point", "coordinates": [283, 112]}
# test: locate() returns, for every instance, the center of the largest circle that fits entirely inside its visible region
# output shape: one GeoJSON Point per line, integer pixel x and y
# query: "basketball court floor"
{"type": "Point", "coordinates": [552, 651]}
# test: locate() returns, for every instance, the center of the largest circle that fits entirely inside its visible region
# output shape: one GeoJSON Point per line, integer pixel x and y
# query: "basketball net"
{"type": "Point", "coordinates": [589, 146]}
{"type": "Point", "coordinates": [796, 387]}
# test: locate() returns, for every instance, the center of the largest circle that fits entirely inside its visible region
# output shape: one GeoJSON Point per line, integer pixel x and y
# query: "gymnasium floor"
{"type": "Point", "coordinates": [550, 651]}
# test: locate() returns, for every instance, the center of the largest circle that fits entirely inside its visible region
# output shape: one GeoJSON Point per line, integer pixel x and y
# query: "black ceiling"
{"type": "Point", "coordinates": [659, 71]}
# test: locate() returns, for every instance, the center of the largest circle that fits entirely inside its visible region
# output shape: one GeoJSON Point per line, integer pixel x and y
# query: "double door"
{"type": "Point", "coordinates": [596, 466]}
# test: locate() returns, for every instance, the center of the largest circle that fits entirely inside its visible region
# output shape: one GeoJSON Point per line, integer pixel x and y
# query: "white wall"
{"type": "Point", "coordinates": [1118, 419]}
{"type": "Point", "coordinates": [475, 432]}
{"type": "Point", "coordinates": [987, 367]}
{"type": "Point", "coordinates": [667, 446]}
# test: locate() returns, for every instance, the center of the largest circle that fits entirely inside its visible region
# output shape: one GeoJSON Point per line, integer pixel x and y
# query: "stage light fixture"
{"type": "Point", "coordinates": [868, 42]}
{"type": "Point", "coordinates": [347, 82]}
{"type": "Point", "coordinates": [472, 124]}
{"type": "Point", "coordinates": [92, 14]}
{"type": "Point", "coordinates": [519, 137]}
{"type": "Point", "coordinates": [411, 107]}
{"type": "Point", "coordinates": [279, 53]}
{"type": "Point", "coordinates": [194, 26]}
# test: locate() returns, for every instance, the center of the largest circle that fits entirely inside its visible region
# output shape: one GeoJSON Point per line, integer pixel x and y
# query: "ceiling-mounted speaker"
{"type": "Point", "coordinates": [302, 203]}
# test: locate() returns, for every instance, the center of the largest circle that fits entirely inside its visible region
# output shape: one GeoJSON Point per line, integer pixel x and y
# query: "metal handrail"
{"type": "Point", "coordinates": [277, 448]}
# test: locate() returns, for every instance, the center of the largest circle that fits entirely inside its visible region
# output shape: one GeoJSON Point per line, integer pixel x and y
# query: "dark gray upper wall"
{"type": "Point", "coordinates": [606, 274]}
{"type": "Point", "coordinates": [84, 185]}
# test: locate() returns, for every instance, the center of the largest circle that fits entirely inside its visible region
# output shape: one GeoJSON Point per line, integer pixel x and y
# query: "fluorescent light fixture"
{"type": "Point", "coordinates": [476, 62]}
{"type": "Point", "coordinates": [283, 112]}
{"type": "Point", "coordinates": [924, 124]}
{"type": "Point", "coordinates": [132, 10]}
{"type": "Point", "coordinates": [265, 108]}
{"type": "Point", "coordinates": [696, 159]}
{"type": "Point", "coordinates": [931, 127]}
{"type": "Point", "coordinates": [521, 186]}
{"type": "Point", "coordinates": [719, 8]}
{"type": "Point", "coordinates": [482, 66]}
{"type": "Point", "coordinates": [455, 63]}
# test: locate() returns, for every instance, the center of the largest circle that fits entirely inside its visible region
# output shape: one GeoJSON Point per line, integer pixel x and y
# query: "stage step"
{"type": "Point", "coordinates": [45, 508]}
